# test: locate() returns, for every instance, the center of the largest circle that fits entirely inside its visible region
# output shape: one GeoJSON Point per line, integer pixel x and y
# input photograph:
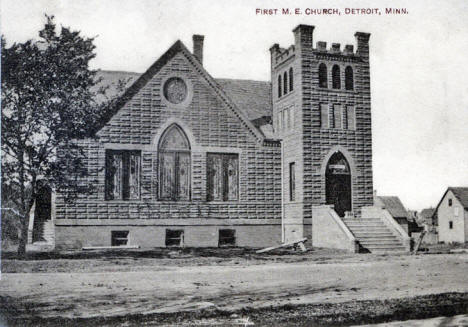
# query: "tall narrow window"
{"type": "Point", "coordinates": [331, 116]}
{"type": "Point", "coordinates": [344, 117]}
{"type": "Point", "coordinates": [291, 86]}
{"type": "Point", "coordinates": [292, 182]}
{"type": "Point", "coordinates": [450, 202]}
{"type": "Point", "coordinates": [122, 175]}
{"type": "Point", "coordinates": [285, 83]}
{"type": "Point", "coordinates": [349, 78]}
{"type": "Point", "coordinates": [336, 78]}
{"type": "Point", "coordinates": [174, 165]}
{"type": "Point", "coordinates": [350, 115]}
{"type": "Point", "coordinates": [324, 115]}
{"type": "Point", "coordinates": [279, 86]}
{"type": "Point", "coordinates": [338, 111]}
{"type": "Point", "coordinates": [222, 176]}
{"type": "Point", "coordinates": [292, 118]}
{"type": "Point", "coordinates": [323, 78]}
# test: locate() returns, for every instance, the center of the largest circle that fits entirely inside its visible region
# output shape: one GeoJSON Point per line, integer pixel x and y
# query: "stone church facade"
{"type": "Point", "coordinates": [189, 160]}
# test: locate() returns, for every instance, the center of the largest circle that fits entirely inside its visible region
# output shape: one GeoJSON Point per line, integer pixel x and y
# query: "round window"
{"type": "Point", "coordinates": [175, 90]}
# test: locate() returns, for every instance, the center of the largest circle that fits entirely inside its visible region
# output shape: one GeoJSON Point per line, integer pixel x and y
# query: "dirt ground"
{"type": "Point", "coordinates": [81, 286]}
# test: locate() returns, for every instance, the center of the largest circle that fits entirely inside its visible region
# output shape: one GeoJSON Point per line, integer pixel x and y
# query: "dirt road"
{"type": "Point", "coordinates": [230, 287]}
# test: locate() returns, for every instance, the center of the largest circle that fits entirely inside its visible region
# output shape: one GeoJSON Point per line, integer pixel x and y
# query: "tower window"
{"type": "Point", "coordinates": [292, 182]}
{"type": "Point", "coordinates": [450, 224]}
{"type": "Point", "coordinates": [336, 78]}
{"type": "Point", "coordinates": [349, 78]}
{"type": "Point", "coordinates": [323, 79]}
{"type": "Point", "coordinates": [449, 202]}
{"type": "Point", "coordinates": [291, 86]}
{"type": "Point", "coordinates": [285, 83]}
{"type": "Point", "coordinates": [279, 86]}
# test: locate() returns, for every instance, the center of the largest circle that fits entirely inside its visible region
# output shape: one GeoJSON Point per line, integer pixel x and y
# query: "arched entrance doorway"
{"type": "Point", "coordinates": [338, 183]}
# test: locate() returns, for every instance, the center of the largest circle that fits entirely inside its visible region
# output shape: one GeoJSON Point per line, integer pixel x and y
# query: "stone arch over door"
{"type": "Point", "coordinates": [338, 171]}
{"type": "Point", "coordinates": [174, 152]}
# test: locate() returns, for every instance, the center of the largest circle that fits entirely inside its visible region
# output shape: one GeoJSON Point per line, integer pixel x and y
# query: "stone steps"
{"type": "Point", "coordinates": [374, 236]}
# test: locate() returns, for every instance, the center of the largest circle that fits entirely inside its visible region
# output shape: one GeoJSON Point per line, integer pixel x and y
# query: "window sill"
{"type": "Point", "coordinates": [285, 96]}
{"type": "Point", "coordinates": [336, 90]}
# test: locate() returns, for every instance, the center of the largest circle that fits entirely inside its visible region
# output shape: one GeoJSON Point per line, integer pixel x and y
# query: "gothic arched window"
{"type": "Point", "coordinates": [323, 78]}
{"type": "Point", "coordinates": [349, 78]}
{"type": "Point", "coordinates": [279, 86]}
{"type": "Point", "coordinates": [291, 86]}
{"type": "Point", "coordinates": [174, 165]}
{"type": "Point", "coordinates": [336, 78]}
{"type": "Point", "coordinates": [285, 83]}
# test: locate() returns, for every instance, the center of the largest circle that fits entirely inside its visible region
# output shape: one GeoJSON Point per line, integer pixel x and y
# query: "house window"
{"type": "Point", "coordinates": [323, 78]}
{"type": "Point", "coordinates": [222, 177]}
{"type": "Point", "coordinates": [122, 175]}
{"type": "Point", "coordinates": [285, 83]}
{"type": "Point", "coordinates": [174, 165]}
{"type": "Point", "coordinates": [455, 211]}
{"type": "Point", "coordinates": [450, 224]}
{"type": "Point", "coordinates": [349, 78]}
{"type": "Point", "coordinates": [119, 237]}
{"type": "Point", "coordinates": [449, 202]}
{"type": "Point", "coordinates": [336, 78]}
{"type": "Point", "coordinates": [291, 86]}
{"type": "Point", "coordinates": [227, 237]}
{"type": "Point", "coordinates": [292, 181]}
{"type": "Point", "coordinates": [279, 86]}
{"type": "Point", "coordinates": [174, 237]}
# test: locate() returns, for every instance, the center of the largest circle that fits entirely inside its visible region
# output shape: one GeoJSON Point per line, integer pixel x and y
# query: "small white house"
{"type": "Point", "coordinates": [452, 215]}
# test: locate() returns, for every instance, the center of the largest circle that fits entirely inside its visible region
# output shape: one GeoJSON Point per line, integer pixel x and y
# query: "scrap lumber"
{"type": "Point", "coordinates": [119, 247]}
{"type": "Point", "coordinates": [418, 244]}
{"type": "Point", "coordinates": [299, 242]}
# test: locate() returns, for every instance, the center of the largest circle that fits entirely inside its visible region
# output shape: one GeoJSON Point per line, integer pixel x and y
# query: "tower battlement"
{"type": "Point", "coordinates": [303, 35]}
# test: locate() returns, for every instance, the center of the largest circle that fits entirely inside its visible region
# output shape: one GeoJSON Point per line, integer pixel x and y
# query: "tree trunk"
{"type": "Point", "coordinates": [24, 231]}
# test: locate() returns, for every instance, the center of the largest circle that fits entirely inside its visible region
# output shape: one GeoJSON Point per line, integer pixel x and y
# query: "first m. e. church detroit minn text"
{"type": "Point", "coordinates": [190, 160]}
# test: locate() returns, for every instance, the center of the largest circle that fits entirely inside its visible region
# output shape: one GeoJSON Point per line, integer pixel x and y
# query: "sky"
{"type": "Point", "coordinates": [419, 65]}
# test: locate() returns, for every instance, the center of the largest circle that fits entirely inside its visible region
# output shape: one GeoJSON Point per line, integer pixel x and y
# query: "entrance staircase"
{"type": "Point", "coordinates": [374, 235]}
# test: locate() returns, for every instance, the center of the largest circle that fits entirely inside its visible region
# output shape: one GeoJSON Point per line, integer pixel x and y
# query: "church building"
{"type": "Point", "coordinates": [189, 160]}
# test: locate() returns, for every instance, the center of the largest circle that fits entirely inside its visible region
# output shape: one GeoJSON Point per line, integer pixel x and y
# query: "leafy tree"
{"type": "Point", "coordinates": [48, 102]}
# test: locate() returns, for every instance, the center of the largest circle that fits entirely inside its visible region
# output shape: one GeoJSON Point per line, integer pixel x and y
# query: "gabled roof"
{"type": "Point", "coordinates": [461, 193]}
{"type": "Point", "coordinates": [394, 205]}
{"type": "Point", "coordinates": [139, 81]}
{"type": "Point", "coordinates": [427, 213]}
{"type": "Point", "coordinates": [253, 98]}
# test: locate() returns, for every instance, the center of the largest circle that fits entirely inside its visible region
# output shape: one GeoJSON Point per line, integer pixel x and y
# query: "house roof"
{"type": "Point", "coordinates": [251, 98]}
{"type": "Point", "coordinates": [394, 205]}
{"type": "Point", "coordinates": [427, 213]}
{"type": "Point", "coordinates": [461, 194]}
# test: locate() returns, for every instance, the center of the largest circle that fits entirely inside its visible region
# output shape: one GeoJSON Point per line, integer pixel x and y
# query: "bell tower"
{"type": "Point", "coordinates": [322, 114]}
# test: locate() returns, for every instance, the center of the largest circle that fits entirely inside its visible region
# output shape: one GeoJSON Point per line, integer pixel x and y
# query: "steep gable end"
{"type": "Point", "coordinates": [146, 77]}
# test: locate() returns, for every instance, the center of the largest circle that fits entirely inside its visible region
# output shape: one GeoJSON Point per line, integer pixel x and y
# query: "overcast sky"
{"type": "Point", "coordinates": [419, 65]}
